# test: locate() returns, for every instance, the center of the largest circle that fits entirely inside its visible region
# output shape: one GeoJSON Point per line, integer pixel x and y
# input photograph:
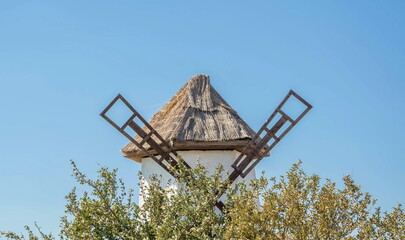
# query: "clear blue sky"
{"type": "Point", "coordinates": [62, 62]}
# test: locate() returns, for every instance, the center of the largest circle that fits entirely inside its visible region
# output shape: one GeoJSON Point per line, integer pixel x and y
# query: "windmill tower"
{"type": "Point", "coordinates": [199, 125]}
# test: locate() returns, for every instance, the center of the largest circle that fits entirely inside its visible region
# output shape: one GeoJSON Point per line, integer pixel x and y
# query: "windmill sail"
{"type": "Point", "coordinates": [163, 153]}
{"type": "Point", "coordinates": [265, 140]}
{"type": "Point", "coordinates": [258, 147]}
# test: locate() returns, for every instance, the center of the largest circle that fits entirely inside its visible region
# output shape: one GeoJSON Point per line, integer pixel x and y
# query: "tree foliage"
{"type": "Point", "coordinates": [294, 206]}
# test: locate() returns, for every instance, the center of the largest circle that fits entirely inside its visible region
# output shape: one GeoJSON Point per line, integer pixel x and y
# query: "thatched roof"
{"type": "Point", "coordinates": [197, 117]}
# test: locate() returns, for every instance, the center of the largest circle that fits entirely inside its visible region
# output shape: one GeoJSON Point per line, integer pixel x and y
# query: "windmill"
{"type": "Point", "coordinates": [197, 118]}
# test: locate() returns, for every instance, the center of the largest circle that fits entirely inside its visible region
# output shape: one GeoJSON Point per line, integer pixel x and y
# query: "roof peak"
{"type": "Point", "coordinates": [200, 78]}
{"type": "Point", "coordinates": [201, 95]}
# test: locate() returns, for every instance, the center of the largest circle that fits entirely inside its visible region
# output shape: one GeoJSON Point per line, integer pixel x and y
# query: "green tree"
{"type": "Point", "coordinates": [294, 206]}
{"type": "Point", "coordinates": [298, 206]}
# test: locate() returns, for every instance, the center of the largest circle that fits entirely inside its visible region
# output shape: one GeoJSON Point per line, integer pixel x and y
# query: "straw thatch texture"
{"type": "Point", "coordinates": [197, 117]}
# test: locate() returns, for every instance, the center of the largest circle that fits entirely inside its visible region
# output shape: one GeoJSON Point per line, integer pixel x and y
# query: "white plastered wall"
{"type": "Point", "coordinates": [210, 159]}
